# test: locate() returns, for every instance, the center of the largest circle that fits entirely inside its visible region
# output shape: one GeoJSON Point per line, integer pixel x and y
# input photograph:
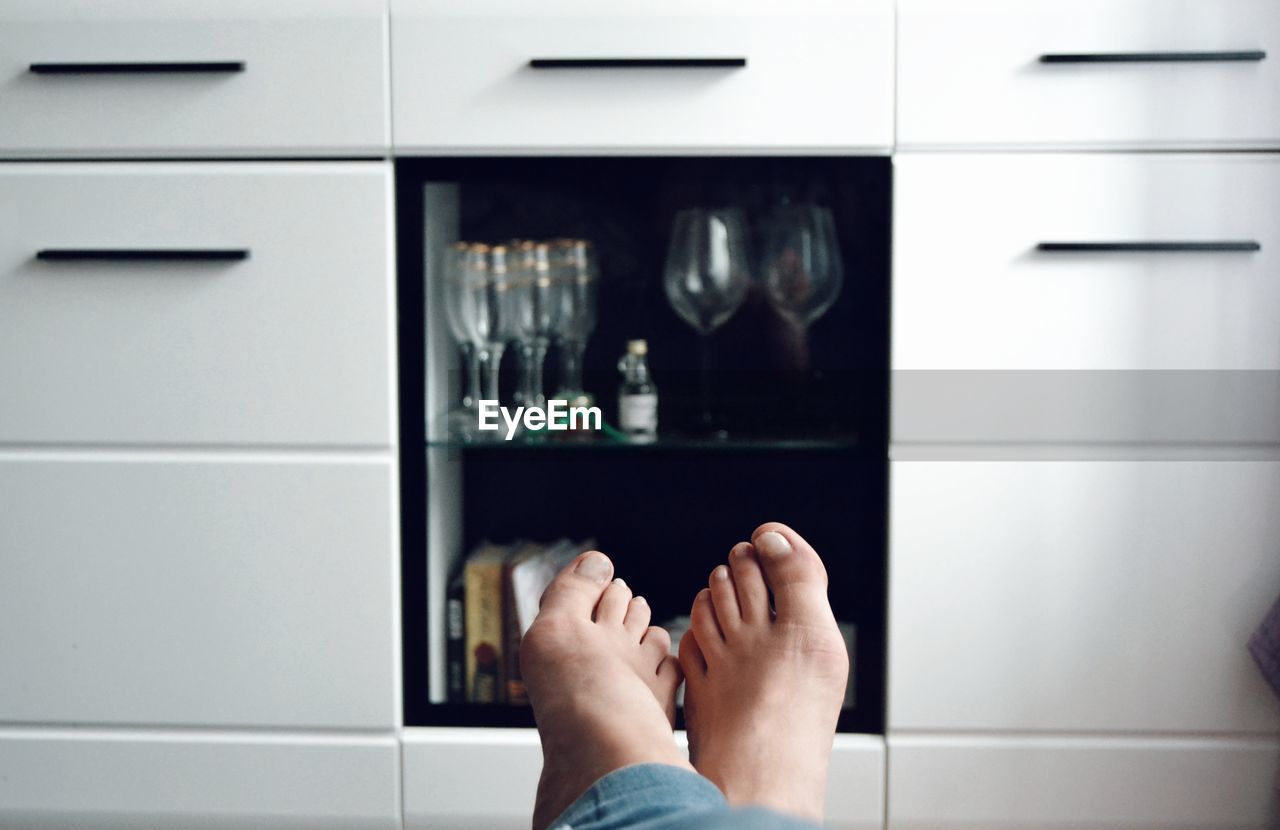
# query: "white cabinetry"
{"type": "Point", "coordinates": [216, 78]}
{"type": "Point", "coordinates": [1136, 74]}
{"type": "Point", "coordinates": [996, 339]}
{"type": "Point", "coordinates": [442, 768]}
{"type": "Point", "coordinates": [626, 76]}
{"type": "Point", "coordinates": [285, 346]}
{"type": "Point", "coordinates": [1081, 596]}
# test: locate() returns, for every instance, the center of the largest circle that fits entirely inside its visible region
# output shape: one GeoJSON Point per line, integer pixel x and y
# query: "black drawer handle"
{"type": "Point", "coordinates": [637, 63]}
{"type": "Point", "coordinates": [1231, 246]}
{"type": "Point", "coordinates": [137, 68]}
{"type": "Point", "coordinates": [1154, 57]}
{"type": "Point", "coordinates": [143, 254]}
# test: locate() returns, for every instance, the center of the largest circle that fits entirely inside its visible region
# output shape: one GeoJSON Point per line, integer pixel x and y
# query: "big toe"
{"type": "Point", "coordinates": [577, 589]}
{"type": "Point", "coordinates": [793, 569]}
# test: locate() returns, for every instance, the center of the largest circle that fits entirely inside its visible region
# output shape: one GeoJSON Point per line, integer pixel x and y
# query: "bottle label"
{"type": "Point", "coordinates": [638, 413]}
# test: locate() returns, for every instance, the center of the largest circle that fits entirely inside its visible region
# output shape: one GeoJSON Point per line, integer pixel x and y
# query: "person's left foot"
{"type": "Point", "coordinates": [601, 683]}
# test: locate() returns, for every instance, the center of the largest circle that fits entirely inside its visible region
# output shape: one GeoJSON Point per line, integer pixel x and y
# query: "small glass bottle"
{"type": "Point", "coordinates": [637, 397]}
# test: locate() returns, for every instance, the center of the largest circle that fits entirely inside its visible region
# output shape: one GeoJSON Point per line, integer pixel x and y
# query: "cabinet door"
{"type": "Point", "coordinates": [665, 75]}
{"type": "Point", "coordinates": [1099, 783]}
{"type": "Point", "coordinates": [285, 339]}
{"type": "Point", "coordinates": [486, 778]}
{"type": "Point", "coordinates": [213, 589]}
{"type": "Point", "coordinates": [130, 780]}
{"type": "Point", "coordinates": [215, 78]}
{"type": "Point", "coordinates": [1106, 336]}
{"type": "Point", "coordinates": [1081, 595]}
{"type": "Point", "coordinates": [1088, 73]}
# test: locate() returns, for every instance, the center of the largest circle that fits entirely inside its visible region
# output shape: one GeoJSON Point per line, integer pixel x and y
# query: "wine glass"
{"type": "Point", "coordinates": [706, 278]}
{"type": "Point", "coordinates": [536, 316]}
{"type": "Point", "coordinates": [803, 273]}
{"type": "Point", "coordinates": [485, 310]}
{"type": "Point", "coordinates": [575, 274]}
{"type": "Point", "coordinates": [461, 421]}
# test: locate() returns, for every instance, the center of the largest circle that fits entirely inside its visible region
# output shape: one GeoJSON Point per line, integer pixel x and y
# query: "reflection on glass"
{"type": "Point", "coordinates": [803, 273]}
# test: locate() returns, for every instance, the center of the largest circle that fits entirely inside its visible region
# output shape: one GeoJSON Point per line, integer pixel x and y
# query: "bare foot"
{"type": "Point", "coordinates": [764, 688]}
{"type": "Point", "coordinates": [600, 681]}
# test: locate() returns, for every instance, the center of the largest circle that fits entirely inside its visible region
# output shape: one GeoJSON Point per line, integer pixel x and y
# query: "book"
{"type": "Point", "coordinates": [455, 648]}
{"type": "Point", "coordinates": [483, 624]}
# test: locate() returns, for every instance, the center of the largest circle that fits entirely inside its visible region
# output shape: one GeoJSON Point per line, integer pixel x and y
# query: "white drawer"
{"type": "Point", "coordinates": [287, 77]}
{"type": "Point", "coordinates": [211, 590]}
{"type": "Point", "coordinates": [290, 345]}
{"type": "Point", "coordinates": [975, 73]}
{"type": "Point", "coordinates": [149, 780]}
{"type": "Point", "coordinates": [1086, 596]}
{"type": "Point", "coordinates": [449, 775]}
{"type": "Point", "coordinates": [818, 75]}
{"type": "Point", "coordinates": [994, 339]}
{"type": "Point", "coordinates": [939, 782]}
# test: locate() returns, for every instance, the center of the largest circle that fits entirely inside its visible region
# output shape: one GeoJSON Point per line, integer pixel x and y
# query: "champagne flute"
{"type": "Point", "coordinates": [536, 316]}
{"type": "Point", "coordinates": [706, 279]}
{"type": "Point", "coordinates": [461, 420]}
{"type": "Point", "coordinates": [803, 273]}
{"type": "Point", "coordinates": [576, 274]}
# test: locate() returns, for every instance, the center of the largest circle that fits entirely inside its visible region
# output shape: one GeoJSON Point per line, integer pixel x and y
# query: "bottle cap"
{"type": "Point", "coordinates": [638, 347]}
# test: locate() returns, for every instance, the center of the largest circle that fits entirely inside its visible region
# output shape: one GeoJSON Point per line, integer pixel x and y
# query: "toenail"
{"type": "Point", "coordinates": [638, 599]}
{"type": "Point", "coordinates": [618, 581]}
{"type": "Point", "coordinates": [773, 543]}
{"type": "Point", "coordinates": [594, 566]}
{"type": "Point", "coordinates": [721, 572]}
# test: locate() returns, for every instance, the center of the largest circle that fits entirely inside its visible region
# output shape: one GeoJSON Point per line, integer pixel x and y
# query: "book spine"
{"type": "Point", "coordinates": [484, 632]}
{"type": "Point", "coordinates": [455, 642]}
{"type": "Point", "coordinates": [517, 695]}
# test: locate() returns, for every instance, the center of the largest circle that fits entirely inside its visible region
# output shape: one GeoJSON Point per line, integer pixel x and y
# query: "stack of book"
{"type": "Point", "coordinates": [492, 601]}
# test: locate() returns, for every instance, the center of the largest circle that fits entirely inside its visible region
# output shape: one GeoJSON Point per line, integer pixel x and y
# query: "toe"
{"type": "Point", "coordinates": [612, 608]}
{"type": "Point", "coordinates": [578, 587]}
{"type": "Point", "coordinates": [692, 661]}
{"type": "Point", "coordinates": [638, 616]}
{"type": "Point", "coordinates": [748, 580]}
{"type": "Point", "coordinates": [703, 622]}
{"type": "Point", "coordinates": [658, 641]}
{"type": "Point", "coordinates": [792, 568]}
{"type": "Point", "coordinates": [724, 598]}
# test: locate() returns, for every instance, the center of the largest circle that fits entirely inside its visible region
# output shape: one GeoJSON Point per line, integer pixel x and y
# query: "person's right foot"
{"type": "Point", "coordinates": [764, 687]}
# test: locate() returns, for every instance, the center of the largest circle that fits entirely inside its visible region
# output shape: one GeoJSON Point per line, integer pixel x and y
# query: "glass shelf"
{"type": "Point", "coordinates": [612, 443]}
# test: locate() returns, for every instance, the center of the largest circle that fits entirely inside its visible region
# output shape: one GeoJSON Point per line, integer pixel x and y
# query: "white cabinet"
{"type": "Point", "coordinates": [1098, 783]}
{"type": "Point", "coordinates": [213, 589]}
{"type": "Point", "coordinates": [668, 76]}
{"type": "Point", "coordinates": [216, 78]}
{"type": "Point", "coordinates": [144, 780]}
{"type": "Point", "coordinates": [1081, 596]}
{"type": "Point", "coordinates": [450, 776]}
{"type": "Point", "coordinates": [290, 344]}
{"type": "Point", "coordinates": [996, 339]}
{"type": "Point", "coordinates": [1088, 73]}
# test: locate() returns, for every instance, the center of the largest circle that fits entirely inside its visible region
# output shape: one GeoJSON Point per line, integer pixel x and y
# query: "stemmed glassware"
{"type": "Point", "coordinates": [803, 273]}
{"type": "Point", "coordinates": [574, 276]}
{"type": "Point", "coordinates": [706, 279]}
{"type": "Point", "coordinates": [461, 421]}
{"type": "Point", "coordinates": [537, 314]}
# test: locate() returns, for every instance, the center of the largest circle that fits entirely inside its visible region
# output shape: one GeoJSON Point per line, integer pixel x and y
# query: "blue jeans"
{"type": "Point", "coordinates": [663, 797]}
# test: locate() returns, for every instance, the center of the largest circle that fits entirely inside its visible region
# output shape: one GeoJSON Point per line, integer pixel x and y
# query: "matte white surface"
{"type": "Point", "coordinates": [315, 79]}
{"type": "Point", "coordinates": [486, 778]}
{"type": "Point", "coordinates": [995, 341]}
{"type": "Point", "coordinates": [1094, 783]}
{"type": "Point", "coordinates": [819, 76]}
{"type": "Point", "coordinates": [1059, 595]}
{"type": "Point", "coordinates": [152, 780]}
{"type": "Point", "coordinates": [211, 590]}
{"type": "Point", "coordinates": [291, 346]}
{"type": "Point", "coordinates": [969, 74]}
